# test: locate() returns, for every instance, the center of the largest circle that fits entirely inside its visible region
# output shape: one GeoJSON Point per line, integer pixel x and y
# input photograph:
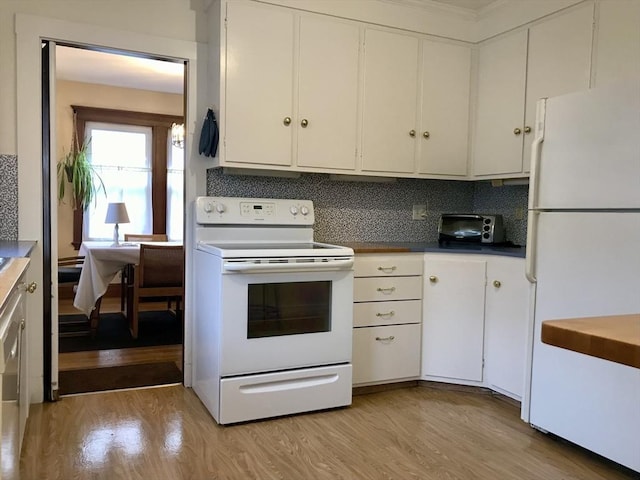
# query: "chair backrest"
{"type": "Point", "coordinates": [69, 269]}
{"type": "Point", "coordinates": [161, 265]}
{"type": "Point", "coordinates": [145, 237]}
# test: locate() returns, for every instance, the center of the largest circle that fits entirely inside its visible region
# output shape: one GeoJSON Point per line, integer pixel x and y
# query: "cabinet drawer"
{"type": "Point", "coordinates": [383, 289]}
{"type": "Point", "coordinates": [387, 265]}
{"type": "Point", "coordinates": [370, 314]}
{"type": "Point", "coordinates": [386, 353]}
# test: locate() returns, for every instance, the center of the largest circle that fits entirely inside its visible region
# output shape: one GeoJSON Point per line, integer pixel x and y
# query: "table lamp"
{"type": "Point", "coordinates": [116, 213]}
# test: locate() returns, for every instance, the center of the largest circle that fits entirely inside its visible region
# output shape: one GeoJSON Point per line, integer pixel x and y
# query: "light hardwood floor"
{"type": "Point", "coordinates": [119, 357]}
{"type": "Point", "coordinates": [411, 433]}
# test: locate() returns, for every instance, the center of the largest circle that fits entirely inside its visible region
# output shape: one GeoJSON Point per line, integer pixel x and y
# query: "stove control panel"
{"type": "Point", "coordinates": [243, 211]}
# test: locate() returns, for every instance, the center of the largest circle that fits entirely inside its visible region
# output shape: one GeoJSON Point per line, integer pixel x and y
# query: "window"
{"type": "Point", "coordinates": [134, 156]}
{"type": "Point", "coordinates": [121, 155]}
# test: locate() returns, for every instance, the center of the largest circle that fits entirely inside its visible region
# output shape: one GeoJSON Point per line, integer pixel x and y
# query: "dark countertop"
{"type": "Point", "coordinates": [14, 249]}
{"type": "Point", "coordinates": [432, 247]}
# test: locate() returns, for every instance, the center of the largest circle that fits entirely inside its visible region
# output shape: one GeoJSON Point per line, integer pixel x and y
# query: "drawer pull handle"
{"type": "Point", "coordinates": [31, 287]}
{"type": "Point", "coordinates": [387, 269]}
{"type": "Point", "coordinates": [386, 290]}
{"type": "Point", "coordinates": [388, 314]}
{"type": "Point", "coordinates": [385, 339]}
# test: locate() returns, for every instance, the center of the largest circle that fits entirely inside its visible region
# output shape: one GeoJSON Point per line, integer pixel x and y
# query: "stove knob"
{"type": "Point", "coordinates": [208, 207]}
{"type": "Point", "coordinates": [220, 208]}
{"type": "Point", "coordinates": [304, 210]}
{"type": "Point", "coordinates": [294, 210]}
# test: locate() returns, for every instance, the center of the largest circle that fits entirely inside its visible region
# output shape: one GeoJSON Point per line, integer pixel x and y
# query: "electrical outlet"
{"type": "Point", "coordinates": [419, 212]}
{"type": "Point", "coordinates": [519, 213]}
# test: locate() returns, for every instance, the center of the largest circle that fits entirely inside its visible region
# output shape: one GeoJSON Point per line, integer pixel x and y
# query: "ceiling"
{"type": "Point", "coordinates": [474, 5]}
{"type": "Point", "coordinates": [80, 65]}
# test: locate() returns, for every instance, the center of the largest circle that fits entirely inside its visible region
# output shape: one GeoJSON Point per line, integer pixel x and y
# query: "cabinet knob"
{"type": "Point", "coordinates": [22, 324]}
{"type": "Point", "coordinates": [426, 134]}
{"type": "Point", "coordinates": [385, 339]}
{"type": "Point", "coordinates": [497, 284]}
{"type": "Point", "coordinates": [412, 133]}
{"type": "Point", "coordinates": [304, 123]}
{"type": "Point", "coordinates": [287, 121]}
{"type": "Point", "coordinates": [433, 279]}
{"type": "Point", "coordinates": [527, 129]}
{"type": "Point", "coordinates": [31, 287]}
{"type": "Point", "coordinates": [517, 131]}
{"type": "Point", "coordinates": [387, 269]}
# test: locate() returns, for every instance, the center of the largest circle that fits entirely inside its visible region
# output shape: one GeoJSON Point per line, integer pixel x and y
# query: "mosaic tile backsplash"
{"type": "Point", "coordinates": [380, 212]}
{"type": "Point", "coordinates": [8, 197]}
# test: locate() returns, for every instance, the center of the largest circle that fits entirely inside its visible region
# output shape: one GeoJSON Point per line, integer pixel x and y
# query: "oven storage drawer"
{"type": "Point", "coordinates": [267, 395]}
{"type": "Point", "coordinates": [386, 353]}
{"type": "Point", "coordinates": [384, 289]}
{"type": "Point", "coordinates": [387, 265]}
{"type": "Point", "coordinates": [372, 314]}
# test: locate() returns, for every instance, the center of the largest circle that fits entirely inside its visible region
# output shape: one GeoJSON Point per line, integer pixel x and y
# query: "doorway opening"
{"type": "Point", "coordinates": [127, 110]}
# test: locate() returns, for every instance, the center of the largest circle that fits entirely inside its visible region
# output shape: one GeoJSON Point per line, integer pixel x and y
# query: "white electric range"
{"type": "Point", "coordinates": [273, 310]}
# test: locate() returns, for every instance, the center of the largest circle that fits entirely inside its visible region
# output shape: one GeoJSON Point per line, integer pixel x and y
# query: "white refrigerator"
{"type": "Point", "coordinates": [583, 259]}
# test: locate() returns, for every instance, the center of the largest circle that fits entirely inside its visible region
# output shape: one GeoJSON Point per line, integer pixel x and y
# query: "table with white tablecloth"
{"type": "Point", "coordinates": [102, 262]}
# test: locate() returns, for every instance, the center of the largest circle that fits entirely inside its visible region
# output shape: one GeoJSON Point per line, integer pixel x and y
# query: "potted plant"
{"type": "Point", "coordinates": [76, 170]}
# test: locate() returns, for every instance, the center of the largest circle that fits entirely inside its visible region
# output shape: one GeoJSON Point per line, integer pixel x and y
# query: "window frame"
{"type": "Point", "coordinates": [160, 126]}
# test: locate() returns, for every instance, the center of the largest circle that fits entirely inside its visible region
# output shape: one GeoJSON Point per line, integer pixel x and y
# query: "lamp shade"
{"type": "Point", "coordinates": [117, 213]}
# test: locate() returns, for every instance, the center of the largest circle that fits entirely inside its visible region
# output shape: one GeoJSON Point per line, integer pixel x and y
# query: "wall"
{"type": "Point", "coordinates": [379, 212]}
{"type": "Point", "coordinates": [103, 96]}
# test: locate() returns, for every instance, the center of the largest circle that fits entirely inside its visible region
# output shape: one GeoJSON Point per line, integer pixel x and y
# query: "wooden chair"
{"type": "Point", "coordinates": [160, 273]}
{"type": "Point", "coordinates": [69, 269]}
{"type": "Point", "coordinates": [126, 276]}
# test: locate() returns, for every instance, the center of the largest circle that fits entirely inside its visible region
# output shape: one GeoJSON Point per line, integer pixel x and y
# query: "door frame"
{"type": "Point", "coordinates": [30, 31]}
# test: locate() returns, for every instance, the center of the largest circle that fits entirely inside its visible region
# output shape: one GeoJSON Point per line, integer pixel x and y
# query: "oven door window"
{"type": "Point", "coordinates": [294, 308]}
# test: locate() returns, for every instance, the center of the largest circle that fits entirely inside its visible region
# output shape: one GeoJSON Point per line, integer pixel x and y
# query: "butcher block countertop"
{"type": "Point", "coordinates": [615, 338]}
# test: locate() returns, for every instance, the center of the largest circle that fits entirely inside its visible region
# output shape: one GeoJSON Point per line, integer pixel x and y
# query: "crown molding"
{"type": "Point", "coordinates": [431, 6]}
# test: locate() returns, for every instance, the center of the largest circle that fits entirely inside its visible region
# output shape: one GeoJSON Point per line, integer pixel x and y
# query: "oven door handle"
{"type": "Point", "coordinates": [329, 265]}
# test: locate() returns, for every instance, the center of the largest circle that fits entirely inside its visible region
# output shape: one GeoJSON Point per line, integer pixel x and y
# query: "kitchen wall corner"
{"type": "Point", "coordinates": [376, 212]}
{"type": "Point", "coordinates": [510, 201]}
{"type": "Point", "coordinates": [357, 211]}
{"type": "Point", "coordinates": [8, 197]}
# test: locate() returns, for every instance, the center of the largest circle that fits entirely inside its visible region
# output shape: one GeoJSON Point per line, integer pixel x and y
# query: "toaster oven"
{"type": "Point", "coordinates": [471, 228]}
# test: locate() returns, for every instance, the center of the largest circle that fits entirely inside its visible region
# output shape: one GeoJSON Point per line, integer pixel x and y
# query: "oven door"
{"type": "Point", "coordinates": [284, 320]}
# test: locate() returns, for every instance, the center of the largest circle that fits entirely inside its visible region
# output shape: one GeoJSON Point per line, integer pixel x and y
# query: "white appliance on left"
{"type": "Point", "coordinates": [273, 310]}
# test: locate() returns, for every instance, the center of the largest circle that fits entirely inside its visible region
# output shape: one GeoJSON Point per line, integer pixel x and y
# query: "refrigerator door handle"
{"type": "Point", "coordinates": [532, 234]}
{"type": "Point", "coordinates": [541, 108]}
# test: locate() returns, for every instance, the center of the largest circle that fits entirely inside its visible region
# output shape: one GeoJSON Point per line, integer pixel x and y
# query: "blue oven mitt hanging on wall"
{"type": "Point", "coordinates": [209, 135]}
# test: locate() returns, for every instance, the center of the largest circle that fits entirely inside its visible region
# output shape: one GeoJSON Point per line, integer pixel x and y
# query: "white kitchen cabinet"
{"type": "Point", "coordinates": [475, 317]}
{"type": "Point", "coordinates": [617, 41]}
{"type": "Point", "coordinates": [258, 85]}
{"type": "Point", "coordinates": [506, 321]}
{"type": "Point", "coordinates": [291, 89]}
{"type": "Point", "coordinates": [444, 124]}
{"type": "Point", "coordinates": [389, 110]}
{"type": "Point", "coordinates": [387, 317]}
{"type": "Point", "coordinates": [14, 408]}
{"type": "Point", "coordinates": [453, 318]}
{"type": "Point", "coordinates": [551, 58]}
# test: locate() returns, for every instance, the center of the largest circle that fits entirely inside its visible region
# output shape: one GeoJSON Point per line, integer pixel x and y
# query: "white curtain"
{"type": "Point", "coordinates": [175, 191]}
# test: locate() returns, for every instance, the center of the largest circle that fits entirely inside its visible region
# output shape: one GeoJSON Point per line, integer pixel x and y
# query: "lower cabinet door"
{"type": "Point", "coordinates": [386, 353]}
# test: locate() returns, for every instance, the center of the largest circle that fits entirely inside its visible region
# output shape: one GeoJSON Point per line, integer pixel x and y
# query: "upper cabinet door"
{"type": "Point", "coordinates": [443, 136]}
{"type": "Point", "coordinates": [259, 84]}
{"type": "Point", "coordinates": [559, 62]}
{"type": "Point", "coordinates": [328, 93]}
{"type": "Point", "coordinates": [390, 102]}
{"type": "Point", "coordinates": [617, 46]}
{"type": "Point", "coordinates": [500, 105]}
